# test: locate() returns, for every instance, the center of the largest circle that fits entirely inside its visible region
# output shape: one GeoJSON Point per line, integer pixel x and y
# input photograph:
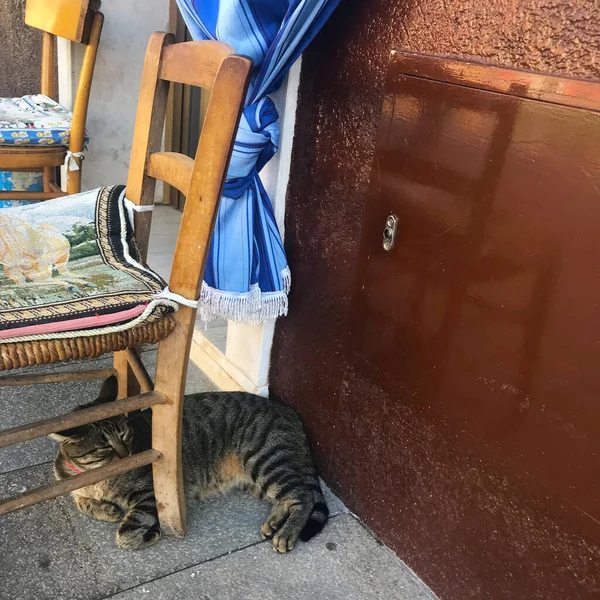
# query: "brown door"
{"type": "Point", "coordinates": [486, 312]}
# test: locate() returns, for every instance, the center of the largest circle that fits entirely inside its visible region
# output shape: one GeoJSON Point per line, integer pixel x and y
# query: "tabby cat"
{"type": "Point", "coordinates": [230, 439]}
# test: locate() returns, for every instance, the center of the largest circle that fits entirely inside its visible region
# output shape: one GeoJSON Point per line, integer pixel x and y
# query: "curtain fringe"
{"type": "Point", "coordinates": [253, 306]}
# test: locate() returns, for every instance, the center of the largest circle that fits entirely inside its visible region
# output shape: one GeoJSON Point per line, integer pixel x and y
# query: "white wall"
{"type": "Point", "coordinates": [249, 346]}
{"type": "Point", "coordinates": [127, 28]}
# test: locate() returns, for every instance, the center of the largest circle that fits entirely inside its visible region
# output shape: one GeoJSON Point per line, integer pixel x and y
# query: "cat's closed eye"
{"type": "Point", "coordinates": [94, 457]}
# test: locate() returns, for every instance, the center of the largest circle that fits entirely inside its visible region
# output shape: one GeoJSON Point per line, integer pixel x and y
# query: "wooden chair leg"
{"type": "Point", "coordinates": [74, 179]}
{"type": "Point", "coordinates": [128, 384]}
{"type": "Point", "coordinates": [167, 421]}
{"type": "Point", "coordinates": [48, 178]}
{"type": "Point", "coordinates": [139, 370]}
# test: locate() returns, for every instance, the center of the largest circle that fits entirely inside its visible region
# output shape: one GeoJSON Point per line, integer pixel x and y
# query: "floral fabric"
{"type": "Point", "coordinates": [34, 121]}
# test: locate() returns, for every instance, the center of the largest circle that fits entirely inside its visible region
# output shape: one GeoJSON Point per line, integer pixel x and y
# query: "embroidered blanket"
{"type": "Point", "coordinates": [70, 267]}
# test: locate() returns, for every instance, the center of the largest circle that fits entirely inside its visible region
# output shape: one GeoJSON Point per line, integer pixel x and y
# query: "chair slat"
{"type": "Point", "coordinates": [48, 48]}
{"type": "Point", "coordinates": [194, 63]}
{"type": "Point", "coordinates": [52, 490]}
{"type": "Point", "coordinates": [31, 158]}
{"type": "Point", "coordinates": [33, 196]}
{"type": "Point", "coordinates": [173, 168]}
{"type": "Point", "coordinates": [79, 417]}
{"type": "Point", "coordinates": [42, 378]}
{"type": "Point", "coordinates": [139, 370]}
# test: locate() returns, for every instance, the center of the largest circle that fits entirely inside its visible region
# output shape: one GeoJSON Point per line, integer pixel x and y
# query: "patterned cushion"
{"type": "Point", "coordinates": [34, 120]}
{"type": "Point", "coordinates": [70, 268]}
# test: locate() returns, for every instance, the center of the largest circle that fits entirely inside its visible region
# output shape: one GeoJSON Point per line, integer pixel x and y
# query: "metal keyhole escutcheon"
{"type": "Point", "coordinates": [389, 233]}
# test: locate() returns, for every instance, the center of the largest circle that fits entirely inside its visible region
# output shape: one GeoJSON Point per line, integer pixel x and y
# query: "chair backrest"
{"type": "Point", "coordinates": [78, 21]}
{"type": "Point", "coordinates": [213, 66]}
{"type": "Point", "coordinates": [70, 19]}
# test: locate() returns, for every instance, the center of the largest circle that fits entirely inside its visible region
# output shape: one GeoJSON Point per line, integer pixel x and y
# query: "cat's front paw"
{"type": "Point", "coordinates": [135, 537]}
{"type": "Point", "coordinates": [110, 513]}
{"type": "Point", "coordinates": [284, 542]}
{"type": "Point", "coordinates": [98, 509]}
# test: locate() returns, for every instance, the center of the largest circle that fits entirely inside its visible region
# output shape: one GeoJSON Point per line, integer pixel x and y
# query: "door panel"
{"type": "Point", "coordinates": [486, 312]}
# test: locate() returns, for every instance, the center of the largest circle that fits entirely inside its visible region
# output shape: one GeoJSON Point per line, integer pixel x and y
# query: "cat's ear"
{"type": "Point", "coordinates": [109, 391]}
{"type": "Point", "coordinates": [67, 435]}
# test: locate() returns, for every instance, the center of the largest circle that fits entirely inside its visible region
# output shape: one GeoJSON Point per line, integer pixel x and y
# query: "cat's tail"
{"type": "Point", "coordinates": [318, 518]}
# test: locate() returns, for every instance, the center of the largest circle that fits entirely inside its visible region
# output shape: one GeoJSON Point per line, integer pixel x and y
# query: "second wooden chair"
{"type": "Point", "coordinates": [36, 133]}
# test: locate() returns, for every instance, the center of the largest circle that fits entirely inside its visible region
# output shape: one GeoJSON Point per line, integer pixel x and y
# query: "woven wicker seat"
{"type": "Point", "coordinates": [46, 352]}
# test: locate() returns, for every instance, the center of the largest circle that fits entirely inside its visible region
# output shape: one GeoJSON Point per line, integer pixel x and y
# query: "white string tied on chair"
{"type": "Point", "coordinates": [169, 295]}
{"type": "Point", "coordinates": [138, 207]}
{"type": "Point", "coordinates": [70, 162]}
{"type": "Point", "coordinates": [132, 207]}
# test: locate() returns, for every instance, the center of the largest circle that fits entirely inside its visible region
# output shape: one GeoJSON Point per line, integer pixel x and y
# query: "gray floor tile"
{"type": "Point", "coordinates": [335, 505]}
{"type": "Point", "coordinates": [343, 563]}
{"type": "Point", "coordinates": [214, 331]}
{"type": "Point", "coordinates": [196, 380]}
{"type": "Point", "coordinates": [51, 552]}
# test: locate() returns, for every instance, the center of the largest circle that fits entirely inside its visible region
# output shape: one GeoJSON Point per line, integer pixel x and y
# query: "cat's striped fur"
{"type": "Point", "coordinates": [230, 439]}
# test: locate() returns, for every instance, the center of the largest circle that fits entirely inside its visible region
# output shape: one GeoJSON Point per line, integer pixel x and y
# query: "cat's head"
{"type": "Point", "coordinates": [96, 444]}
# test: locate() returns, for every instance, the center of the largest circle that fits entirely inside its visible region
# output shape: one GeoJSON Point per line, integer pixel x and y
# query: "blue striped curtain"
{"type": "Point", "coordinates": [247, 278]}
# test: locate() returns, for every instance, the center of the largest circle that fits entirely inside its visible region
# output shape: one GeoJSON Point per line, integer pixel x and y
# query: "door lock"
{"type": "Point", "coordinates": [389, 233]}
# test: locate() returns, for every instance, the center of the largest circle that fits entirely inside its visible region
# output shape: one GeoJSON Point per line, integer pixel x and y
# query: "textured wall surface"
{"type": "Point", "coordinates": [558, 36]}
{"type": "Point", "coordinates": [411, 500]}
{"type": "Point", "coordinates": [113, 101]}
{"type": "Point", "coordinates": [20, 51]}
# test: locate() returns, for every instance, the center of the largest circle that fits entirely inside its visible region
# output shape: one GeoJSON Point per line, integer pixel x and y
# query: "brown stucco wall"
{"type": "Point", "coordinates": [557, 36]}
{"type": "Point", "coordinates": [20, 51]}
{"type": "Point", "coordinates": [433, 499]}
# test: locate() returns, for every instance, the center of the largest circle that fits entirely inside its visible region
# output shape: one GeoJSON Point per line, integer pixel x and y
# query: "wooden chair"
{"type": "Point", "coordinates": [78, 21]}
{"type": "Point", "coordinates": [213, 66]}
